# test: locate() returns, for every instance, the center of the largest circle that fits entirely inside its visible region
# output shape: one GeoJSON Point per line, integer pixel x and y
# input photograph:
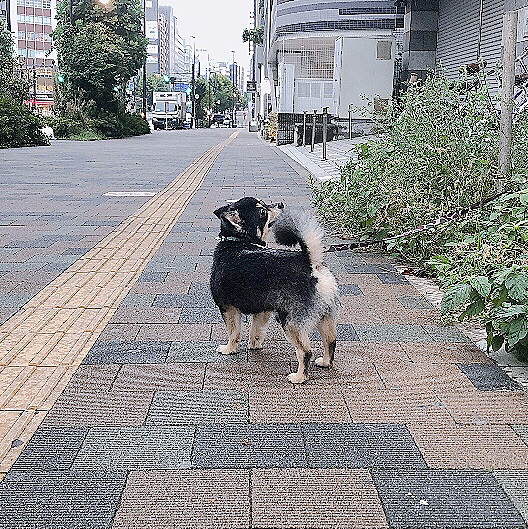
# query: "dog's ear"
{"type": "Point", "coordinates": [230, 219]}
{"type": "Point", "coordinates": [221, 210]}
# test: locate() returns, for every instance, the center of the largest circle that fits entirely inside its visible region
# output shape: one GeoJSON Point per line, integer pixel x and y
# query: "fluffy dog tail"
{"type": "Point", "coordinates": [298, 227]}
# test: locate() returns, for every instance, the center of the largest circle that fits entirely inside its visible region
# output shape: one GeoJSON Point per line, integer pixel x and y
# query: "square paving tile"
{"type": "Point", "coordinates": [392, 278]}
{"type": "Point", "coordinates": [59, 500]}
{"type": "Point", "coordinates": [429, 377]}
{"type": "Point", "coordinates": [391, 332]}
{"type": "Point", "coordinates": [104, 408]}
{"type": "Point", "coordinates": [403, 406]}
{"type": "Point", "coordinates": [350, 290]}
{"type": "Point", "coordinates": [145, 315]}
{"type": "Point", "coordinates": [198, 407]}
{"type": "Point", "coordinates": [445, 499]}
{"type": "Point", "coordinates": [200, 315]}
{"type": "Point", "coordinates": [361, 446]}
{"type": "Point", "coordinates": [198, 499]}
{"type": "Point", "coordinates": [448, 333]}
{"type": "Point", "coordinates": [470, 406]}
{"type": "Point", "coordinates": [249, 445]}
{"type": "Point", "coordinates": [156, 377]}
{"type": "Point", "coordinates": [297, 404]}
{"type": "Point", "coordinates": [152, 276]}
{"type": "Point", "coordinates": [323, 498]}
{"type": "Point", "coordinates": [51, 449]}
{"type": "Point", "coordinates": [174, 331]}
{"type": "Point", "coordinates": [460, 446]}
{"type": "Point", "coordinates": [444, 353]}
{"type": "Point", "coordinates": [242, 376]}
{"type": "Point", "coordinates": [146, 447]}
{"type": "Point", "coordinates": [488, 377]}
{"type": "Point", "coordinates": [127, 353]}
{"type": "Point", "coordinates": [415, 302]}
{"type": "Point", "coordinates": [90, 378]}
{"type": "Point", "coordinates": [515, 483]}
{"type": "Point", "coordinates": [203, 351]}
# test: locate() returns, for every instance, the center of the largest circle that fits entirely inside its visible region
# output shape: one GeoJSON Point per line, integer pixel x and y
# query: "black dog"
{"type": "Point", "coordinates": [248, 278]}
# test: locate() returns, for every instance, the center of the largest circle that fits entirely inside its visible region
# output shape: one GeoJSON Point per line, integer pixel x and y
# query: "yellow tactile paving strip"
{"type": "Point", "coordinates": [43, 343]}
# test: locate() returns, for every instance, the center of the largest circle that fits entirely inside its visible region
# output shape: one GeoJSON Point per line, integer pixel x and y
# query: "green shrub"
{"type": "Point", "coordinates": [436, 153]}
{"type": "Point", "coordinates": [98, 125]}
{"type": "Point", "coordinates": [19, 127]}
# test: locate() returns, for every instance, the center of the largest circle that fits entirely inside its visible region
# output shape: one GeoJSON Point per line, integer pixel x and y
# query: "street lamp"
{"type": "Point", "coordinates": [144, 91]}
{"type": "Point", "coordinates": [192, 80]}
{"type": "Point", "coordinates": [234, 115]}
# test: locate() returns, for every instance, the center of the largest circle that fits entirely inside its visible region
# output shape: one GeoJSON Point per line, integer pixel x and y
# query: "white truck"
{"type": "Point", "coordinates": [169, 110]}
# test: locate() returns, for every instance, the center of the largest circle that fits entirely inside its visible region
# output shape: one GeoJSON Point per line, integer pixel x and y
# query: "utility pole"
{"type": "Point", "coordinates": [508, 82]}
{"type": "Point", "coordinates": [193, 82]}
{"type": "Point", "coordinates": [144, 91]}
{"type": "Point", "coordinates": [233, 95]}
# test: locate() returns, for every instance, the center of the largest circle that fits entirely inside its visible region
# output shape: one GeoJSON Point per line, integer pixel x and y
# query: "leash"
{"type": "Point", "coordinates": [444, 219]}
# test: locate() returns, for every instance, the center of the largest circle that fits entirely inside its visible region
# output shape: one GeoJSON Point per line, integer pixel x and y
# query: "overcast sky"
{"type": "Point", "coordinates": [217, 26]}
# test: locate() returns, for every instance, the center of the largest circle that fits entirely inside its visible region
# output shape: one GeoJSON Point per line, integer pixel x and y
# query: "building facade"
{"type": "Point", "coordinates": [31, 23]}
{"type": "Point", "coordinates": [328, 54]}
{"type": "Point", "coordinates": [451, 34]}
{"type": "Point", "coordinates": [153, 36]}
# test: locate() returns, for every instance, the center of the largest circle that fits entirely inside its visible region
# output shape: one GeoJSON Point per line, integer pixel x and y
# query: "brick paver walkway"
{"type": "Point", "coordinates": [412, 428]}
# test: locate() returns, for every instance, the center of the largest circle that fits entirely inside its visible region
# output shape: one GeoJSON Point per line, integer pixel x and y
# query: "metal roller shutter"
{"type": "Point", "coordinates": [491, 35]}
{"type": "Point", "coordinates": [458, 34]}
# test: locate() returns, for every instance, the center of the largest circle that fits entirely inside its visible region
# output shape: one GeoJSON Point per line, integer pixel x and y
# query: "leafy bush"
{"type": "Point", "coordinates": [98, 125]}
{"type": "Point", "coordinates": [436, 152]}
{"type": "Point", "coordinates": [19, 127]}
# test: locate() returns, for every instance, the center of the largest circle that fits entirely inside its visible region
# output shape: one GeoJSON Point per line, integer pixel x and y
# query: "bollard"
{"type": "Point", "coordinates": [325, 125]}
{"type": "Point", "coordinates": [350, 122]}
{"type": "Point", "coordinates": [313, 130]}
{"type": "Point", "coordinates": [304, 128]}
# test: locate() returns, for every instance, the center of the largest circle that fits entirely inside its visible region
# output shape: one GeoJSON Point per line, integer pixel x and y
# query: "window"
{"type": "Point", "coordinates": [328, 90]}
{"type": "Point", "coordinates": [303, 89]}
{"type": "Point", "coordinates": [384, 50]}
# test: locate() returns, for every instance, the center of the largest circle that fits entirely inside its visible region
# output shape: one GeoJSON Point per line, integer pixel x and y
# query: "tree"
{"type": "Point", "coordinates": [11, 82]}
{"type": "Point", "coordinates": [255, 35]}
{"type": "Point", "coordinates": [100, 50]}
{"type": "Point", "coordinates": [18, 125]}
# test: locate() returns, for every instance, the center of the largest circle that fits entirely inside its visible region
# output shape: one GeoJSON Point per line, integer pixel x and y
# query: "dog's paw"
{"type": "Point", "coordinates": [255, 344]}
{"type": "Point", "coordinates": [225, 349]}
{"type": "Point", "coordinates": [296, 378]}
{"type": "Point", "coordinates": [322, 362]}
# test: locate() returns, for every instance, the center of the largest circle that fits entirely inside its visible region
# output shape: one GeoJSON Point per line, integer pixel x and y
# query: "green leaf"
{"type": "Point", "coordinates": [517, 330]}
{"type": "Point", "coordinates": [481, 285]}
{"type": "Point", "coordinates": [475, 308]}
{"type": "Point", "coordinates": [524, 197]}
{"type": "Point", "coordinates": [496, 342]}
{"type": "Point", "coordinates": [504, 313]}
{"type": "Point", "coordinates": [455, 296]}
{"type": "Point", "coordinates": [517, 285]}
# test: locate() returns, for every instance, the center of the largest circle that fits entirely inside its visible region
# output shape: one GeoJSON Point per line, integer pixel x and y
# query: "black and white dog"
{"type": "Point", "coordinates": [247, 278]}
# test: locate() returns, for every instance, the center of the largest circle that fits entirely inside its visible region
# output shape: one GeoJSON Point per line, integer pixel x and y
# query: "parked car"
{"type": "Point", "coordinates": [217, 120]}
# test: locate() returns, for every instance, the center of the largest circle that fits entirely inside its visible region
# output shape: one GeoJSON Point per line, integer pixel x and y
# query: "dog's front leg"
{"type": "Point", "coordinates": [232, 319]}
{"type": "Point", "coordinates": [257, 333]}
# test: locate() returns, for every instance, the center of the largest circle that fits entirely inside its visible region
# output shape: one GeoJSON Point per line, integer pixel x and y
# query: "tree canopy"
{"type": "Point", "coordinates": [100, 50]}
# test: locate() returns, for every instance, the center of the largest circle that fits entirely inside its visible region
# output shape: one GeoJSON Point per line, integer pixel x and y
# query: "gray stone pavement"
{"type": "Point", "coordinates": [54, 205]}
{"type": "Point", "coordinates": [412, 428]}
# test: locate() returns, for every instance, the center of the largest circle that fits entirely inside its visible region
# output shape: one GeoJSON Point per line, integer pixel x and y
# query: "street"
{"type": "Point", "coordinates": [117, 411]}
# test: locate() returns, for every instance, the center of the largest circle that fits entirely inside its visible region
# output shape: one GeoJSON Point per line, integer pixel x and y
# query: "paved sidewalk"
{"type": "Point", "coordinates": [338, 153]}
{"type": "Point", "coordinates": [413, 427]}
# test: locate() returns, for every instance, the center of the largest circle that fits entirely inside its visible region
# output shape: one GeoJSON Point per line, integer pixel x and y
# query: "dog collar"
{"type": "Point", "coordinates": [236, 239]}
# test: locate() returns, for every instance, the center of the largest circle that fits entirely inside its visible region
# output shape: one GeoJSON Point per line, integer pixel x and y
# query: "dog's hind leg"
{"type": "Point", "coordinates": [257, 333]}
{"type": "Point", "coordinates": [327, 329]}
{"type": "Point", "coordinates": [301, 342]}
{"type": "Point", "coordinates": [232, 319]}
